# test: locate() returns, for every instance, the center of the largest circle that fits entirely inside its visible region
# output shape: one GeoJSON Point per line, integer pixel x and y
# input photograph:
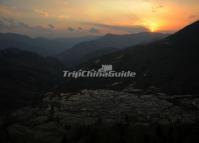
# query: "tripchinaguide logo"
{"type": "Point", "coordinates": [106, 71]}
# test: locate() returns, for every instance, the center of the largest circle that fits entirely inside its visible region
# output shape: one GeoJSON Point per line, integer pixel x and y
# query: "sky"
{"type": "Point", "coordinates": [77, 18]}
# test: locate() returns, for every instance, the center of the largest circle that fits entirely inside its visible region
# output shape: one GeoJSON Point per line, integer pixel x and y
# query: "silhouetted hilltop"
{"type": "Point", "coordinates": [188, 36]}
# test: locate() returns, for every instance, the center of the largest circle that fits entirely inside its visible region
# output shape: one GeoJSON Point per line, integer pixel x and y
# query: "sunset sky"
{"type": "Point", "coordinates": [69, 18]}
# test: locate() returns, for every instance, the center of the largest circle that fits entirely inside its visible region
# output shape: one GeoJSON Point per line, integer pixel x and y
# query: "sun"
{"type": "Point", "coordinates": [153, 27]}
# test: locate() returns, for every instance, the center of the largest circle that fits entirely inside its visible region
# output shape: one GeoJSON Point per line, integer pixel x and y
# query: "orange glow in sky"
{"type": "Point", "coordinates": [95, 17]}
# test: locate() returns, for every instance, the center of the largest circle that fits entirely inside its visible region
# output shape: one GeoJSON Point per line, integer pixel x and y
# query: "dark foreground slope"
{"type": "Point", "coordinates": [104, 116]}
{"type": "Point", "coordinates": [170, 64]}
{"type": "Point", "coordinates": [24, 77]}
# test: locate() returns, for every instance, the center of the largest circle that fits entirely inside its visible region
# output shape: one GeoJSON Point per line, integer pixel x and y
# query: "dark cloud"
{"type": "Point", "coordinates": [11, 25]}
{"type": "Point", "coordinates": [8, 20]}
{"type": "Point", "coordinates": [51, 26]}
{"type": "Point", "coordinates": [128, 29]}
{"type": "Point", "coordinates": [80, 28]}
{"type": "Point", "coordinates": [71, 29]}
{"type": "Point", "coordinates": [24, 25]}
{"type": "Point", "coordinates": [94, 30]}
{"type": "Point", "coordinates": [8, 23]}
{"type": "Point", "coordinates": [41, 28]}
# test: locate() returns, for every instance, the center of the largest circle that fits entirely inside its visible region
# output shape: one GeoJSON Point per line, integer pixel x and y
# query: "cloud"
{"type": "Point", "coordinates": [80, 28]}
{"type": "Point", "coordinates": [156, 7]}
{"type": "Point", "coordinates": [124, 29]}
{"type": "Point", "coordinates": [71, 29]}
{"type": "Point", "coordinates": [41, 12]}
{"type": "Point", "coordinates": [194, 16]}
{"type": "Point", "coordinates": [9, 10]}
{"type": "Point", "coordinates": [11, 25]}
{"type": "Point", "coordinates": [94, 30]}
{"type": "Point", "coordinates": [155, 4]}
{"type": "Point", "coordinates": [51, 26]}
{"type": "Point", "coordinates": [24, 25]}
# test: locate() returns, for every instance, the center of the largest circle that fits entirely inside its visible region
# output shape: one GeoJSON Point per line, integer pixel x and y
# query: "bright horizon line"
{"type": "Point", "coordinates": [35, 37]}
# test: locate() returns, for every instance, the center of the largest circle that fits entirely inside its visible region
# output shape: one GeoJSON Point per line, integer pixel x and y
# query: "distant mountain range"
{"type": "Point", "coordinates": [81, 52]}
{"type": "Point", "coordinates": [171, 64]}
{"type": "Point", "coordinates": [42, 46]}
{"type": "Point", "coordinates": [26, 74]}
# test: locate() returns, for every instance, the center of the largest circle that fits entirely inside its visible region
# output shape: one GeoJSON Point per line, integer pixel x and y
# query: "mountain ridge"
{"type": "Point", "coordinates": [75, 55]}
{"type": "Point", "coordinates": [41, 46]}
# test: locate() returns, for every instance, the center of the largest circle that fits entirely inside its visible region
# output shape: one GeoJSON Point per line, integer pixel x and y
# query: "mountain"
{"type": "Point", "coordinates": [170, 64]}
{"type": "Point", "coordinates": [42, 46]}
{"type": "Point", "coordinates": [25, 76]}
{"type": "Point", "coordinates": [78, 54]}
{"type": "Point", "coordinates": [187, 36]}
